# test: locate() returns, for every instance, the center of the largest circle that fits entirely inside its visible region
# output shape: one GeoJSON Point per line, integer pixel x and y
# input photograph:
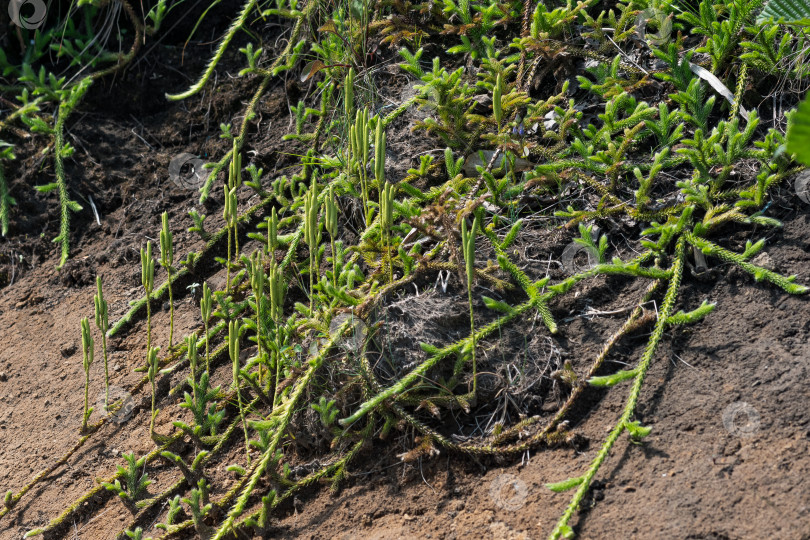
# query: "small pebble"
{"type": "Point", "coordinates": [68, 349]}
{"type": "Point", "coordinates": [764, 260]}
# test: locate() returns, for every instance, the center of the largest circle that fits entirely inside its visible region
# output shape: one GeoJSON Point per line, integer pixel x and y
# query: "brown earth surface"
{"type": "Point", "coordinates": [728, 399]}
{"type": "Point", "coordinates": [705, 472]}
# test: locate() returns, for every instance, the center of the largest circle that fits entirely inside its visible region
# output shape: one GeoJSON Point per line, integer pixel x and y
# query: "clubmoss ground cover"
{"type": "Point", "coordinates": [644, 113]}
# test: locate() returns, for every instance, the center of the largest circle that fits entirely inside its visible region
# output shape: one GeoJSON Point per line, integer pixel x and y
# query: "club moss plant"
{"type": "Point", "coordinates": [331, 226]}
{"type": "Point", "coordinates": [87, 361]}
{"type": "Point", "coordinates": [44, 95]}
{"type": "Point", "coordinates": [103, 323]}
{"type": "Point", "coordinates": [136, 481]}
{"type": "Point", "coordinates": [148, 283]}
{"type": "Point", "coordinates": [230, 212]}
{"type": "Point", "coordinates": [233, 351]}
{"type": "Point", "coordinates": [166, 261]}
{"type": "Point", "coordinates": [386, 222]}
{"type": "Point", "coordinates": [312, 234]}
{"type": "Point", "coordinates": [152, 372]}
{"type": "Point", "coordinates": [667, 170]}
{"type": "Point", "coordinates": [468, 246]}
{"type": "Point", "coordinates": [206, 304]}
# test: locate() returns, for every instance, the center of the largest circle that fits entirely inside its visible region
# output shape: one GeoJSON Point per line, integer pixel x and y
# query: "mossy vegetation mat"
{"type": "Point", "coordinates": [380, 225]}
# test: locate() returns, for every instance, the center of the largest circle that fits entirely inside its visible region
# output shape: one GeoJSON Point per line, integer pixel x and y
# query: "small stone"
{"type": "Point", "coordinates": [764, 260]}
{"type": "Point", "coordinates": [68, 349]}
{"type": "Point", "coordinates": [3, 376]}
